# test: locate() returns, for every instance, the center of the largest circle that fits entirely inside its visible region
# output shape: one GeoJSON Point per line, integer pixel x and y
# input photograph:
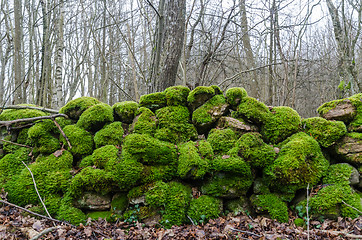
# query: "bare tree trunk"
{"type": "Point", "coordinates": [18, 37]}
{"type": "Point", "coordinates": [58, 93]}
{"type": "Point", "coordinates": [175, 11]}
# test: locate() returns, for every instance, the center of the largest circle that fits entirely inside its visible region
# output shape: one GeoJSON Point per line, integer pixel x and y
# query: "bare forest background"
{"type": "Point", "coordinates": [297, 53]}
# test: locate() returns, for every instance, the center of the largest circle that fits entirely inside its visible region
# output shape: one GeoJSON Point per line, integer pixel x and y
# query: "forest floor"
{"type": "Point", "coordinates": [15, 224]}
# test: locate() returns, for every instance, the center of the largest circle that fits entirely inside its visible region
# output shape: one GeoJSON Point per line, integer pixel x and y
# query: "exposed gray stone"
{"type": "Point", "coordinates": [94, 201]}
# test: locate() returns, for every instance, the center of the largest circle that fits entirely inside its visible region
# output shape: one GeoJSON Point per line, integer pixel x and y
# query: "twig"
{"type": "Point", "coordinates": [351, 207]}
{"type": "Point", "coordinates": [43, 109]}
{"type": "Point", "coordinates": [17, 144]}
{"type": "Point", "coordinates": [62, 132]}
{"type": "Point", "coordinates": [36, 214]}
{"type": "Point", "coordinates": [8, 123]}
{"type": "Point", "coordinates": [347, 235]}
{"type": "Point", "coordinates": [36, 189]}
{"type": "Point", "coordinates": [193, 223]}
{"type": "Point", "coordinates": [247, 232]}
{"type": "Point", "coordinates": [45, 231]}
{"type": "Point", "coordinates": [307, 209]}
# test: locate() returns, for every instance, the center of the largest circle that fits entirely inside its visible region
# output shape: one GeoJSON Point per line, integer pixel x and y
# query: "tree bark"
{"type": "Point", "coordinates": [18, 37]}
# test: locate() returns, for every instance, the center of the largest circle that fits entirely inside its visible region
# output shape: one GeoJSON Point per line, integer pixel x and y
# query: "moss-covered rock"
{"type": "Point", "coordinates": [238, 206]}
{"type": "Point", "coordinates": [356, 124]}
{"type": "Point", "coordinates": [155, 173]}
{"type": "Point", "coordinates": [52, 176]}
{"type": "Point", "coordinates": [341, 173]}
{"type": "Point", "coordinates": [11, 164]}
{"type": "Point", "coordinates": [42, 137]}
{"type": "Point", "coordinates": [227, 185]}
{"type": "Point", "coordinates": [124, 171]}
{"type": "Point", "coordinates": [233, 164]}
{"type": "Point", "coordinates": [221, 140]}
{"type": "Point", "coordinates": [325, 132]}
{"type": "Point", "coordinates": [119, 203]}
{"type": "Point", "coordinates": [235, 95]}
{"type": "Point", "coordinates": [280, 124]}
{"type": "Point", "coordinates": [252, 110]}
{"type": "Point", "coordinates": [206, 116]}
{"type": "Point", "coordinates": [177, 133]}
{"type": "Point", "coordinates": [80, 140]}
{"type": "Point", "coordinates": [125, 111]}
{"type": "Point", "coordinates": [239, 126]}
{"type": "Point", "coordinates": [95, 117]}
{"type": "Point", "coordinates": [191, 163]}
{"type": "Point", "coordinates": [176, 95]}
{"type": "Point", "coordinates": [13, 114]}
{"type": "Point", "coordinates": [145, 122]}
{"type": "Point", "coordinates": [173, 199]}
{"type": "Point", "coordinates": [74, 108]}
{"type": "Point", "coordinates": [276, 208]}
{"type": "Point", "coordinates": [172, 115]}
{"type": "Point", "coordinates": [86, 161]}
{"type": "Point", "coordinates": [254, 150]}
{"type": "Point", "coordinates": [103, 154]}
{"type": "Point", "coordinates": [111, 134]}
{"type": "Point", "coordinates": [204, 208]}
{"type": "Point", "coordinates": [91, 180]}
{"type": "Point", "coordinates": [300, 162]}
{"type": "Point", "coordinates": [331, 202]}
{"type": "Point", "coordinates": [153, 101]}
{"type": "Point", "coordinates": [69, 213]}
{"type": "Point", "coordinates": [349, 148]}
{"type": "Point", "coordinates": [199, 96]}
{"type": "Point", "coordinates": [149, 150]}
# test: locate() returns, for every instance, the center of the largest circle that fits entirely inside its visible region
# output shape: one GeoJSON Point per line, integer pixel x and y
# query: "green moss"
{"type": "Point", "coordinates": [44, 137]}
{"type": "Point", "coordinates": [253, 110]}
{"type": "Point", "coordinates": [177, 133]}
{"type": "Point", "coordinates": [69, 213]}
{"type": "Point", "coordinates": [355, 135]}
{"type": "Point", "coordinates": [206, 115]}
{"type": "Point", "coordinates": [221, 140]}
{"type": "Point", "coordinates": [90, 179]}
{"type": "Point", "coordinates": [176, 95]}
{"type": "Point", "coordinates": [145, 122]}
{"type": "Point", "coordinates": [153, 101]}
{"type": "Point", "coordinates": [52, 176]}
{"type": "Point", "coordinates": [299, 162]}
{"type": "Point", "coordinates": [338, 174]}
{"type": "Point", "coordinates": [227, 185]}
{"type": "Point", "coordinates": [149, 150]}
{"type": "Point", "coordinates": [172, 115]}
{"type": "Point", "coordinates": [173, 198]}
{"type": "Point", "coordinates": [191, 164]}
{"type": "Point", "coordinates": [328, 201]}
{"type": "Point", "coordinates": [80, 139]}
{"type": "Point", "coordinates": [235, 95]}
{"type": "Point", "coordinates": [111, 134]}
{"type": "Point", "coordinates": [254, 150]}
{"type": "Point", "coordinates": [125, 111]}
{"type": "Point", "coordinates": [86, 162]}
{"type": "Point", "coordinates": [11, 164]}
{"type": "Point", "coordinates": [299, 222]}
{"type": "Point", "coordinates": [233, 164]}
{"type": "Point", "coordinates": [95, 117]}
{"type": "Point", "coordinates": [13, 114]}
{"type": "Point", "coordinates": [119, 203]}
{"type": "Point", "coordinates": [102, 155]}
{"type": "Point", "coordinates": [325, 132]}
{"type": "Point", "coordinates": [271, 203]}
{"type": "Point", "coordinates": [217, 89]}
{"type": "Point", "coordinates": [124, 171]}
{"type": "Point", "coordinates": [204, 208]}
{"type": "Point", "coordinates": [52, 202]}
{"type": "Point", "coordinates": [280, 124]}
{"type": "Point", "coordinates": [199, 96]}
{"type": "Point", "coordinates": [158, 172]}
{"type": "Point", "coordinates": [95, 215]}
{"type": "Point", "coordinates": [76, 107]}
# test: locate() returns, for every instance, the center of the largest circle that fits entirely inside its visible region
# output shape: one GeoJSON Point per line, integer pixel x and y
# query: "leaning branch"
{"type": "Point", "coordinates": [35, 214]}
{"type": "Point", "coordinates": [9, 123]}
{"type": "Point", "coordinates": [30, 107]}
{"type": "Point", "coordinates": [17, 144]}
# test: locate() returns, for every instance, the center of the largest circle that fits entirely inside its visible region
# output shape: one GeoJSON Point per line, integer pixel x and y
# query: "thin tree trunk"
{"type": "Point", "coordinates": [18, 37]}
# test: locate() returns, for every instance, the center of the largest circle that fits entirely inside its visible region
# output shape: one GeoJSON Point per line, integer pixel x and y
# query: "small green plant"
{"type": "Point", "coordinates": [132, 215]}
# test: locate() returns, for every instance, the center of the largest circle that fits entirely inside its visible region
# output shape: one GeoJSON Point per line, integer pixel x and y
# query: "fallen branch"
{"type": "Point", "coordinates": [247, 232]}
{"type": "Point", "coordinates": [17, 144]}
{"type": "Point", "coordinates": [36, 189]}
{"type": "Point", "coordinates": [36, 214]}
{"type": "Point", "coordinates": [45, 231]}
{"type": "Point", "coordinates": [8, 123]}
{"type": "Point", "coordinates": [62, 132]}
{"type": "Point", "coordinates": [43, 109]}
{"type": "Point", "coordinates": [347, 235]}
